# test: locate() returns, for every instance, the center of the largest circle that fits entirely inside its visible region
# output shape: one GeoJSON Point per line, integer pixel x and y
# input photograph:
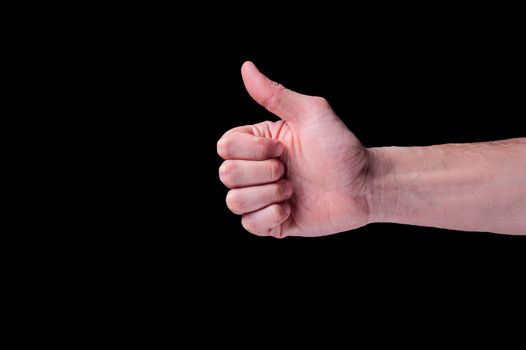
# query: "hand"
{"type": "Point", "coordinates": [304, 175]}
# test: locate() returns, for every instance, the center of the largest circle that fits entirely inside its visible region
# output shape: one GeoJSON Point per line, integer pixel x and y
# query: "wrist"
{"type": "Point", "coordinates": [407, 183]}
{"type": "Point", "coordinates": [378, 175]}
{"type": "Point", "coordinates": [390, 180]}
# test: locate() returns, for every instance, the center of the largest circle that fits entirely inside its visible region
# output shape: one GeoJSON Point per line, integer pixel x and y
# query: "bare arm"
{"type": "Point", "coordinates": [472, 187]}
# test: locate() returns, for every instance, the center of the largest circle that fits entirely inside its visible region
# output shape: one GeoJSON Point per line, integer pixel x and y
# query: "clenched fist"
{"type": "Point", "coordinates": [304, 175]}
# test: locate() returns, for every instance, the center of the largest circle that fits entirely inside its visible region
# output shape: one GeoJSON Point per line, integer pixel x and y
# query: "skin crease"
{"type": "Point", "coordinates": [308, 175]}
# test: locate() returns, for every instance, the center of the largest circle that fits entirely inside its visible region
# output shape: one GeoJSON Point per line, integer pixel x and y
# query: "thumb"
{"type": "Point", "coordinates": [285, 103]}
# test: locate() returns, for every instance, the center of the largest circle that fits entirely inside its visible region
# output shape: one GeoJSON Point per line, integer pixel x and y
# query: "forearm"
{"type": "Point", "coordinates": [472, 187]}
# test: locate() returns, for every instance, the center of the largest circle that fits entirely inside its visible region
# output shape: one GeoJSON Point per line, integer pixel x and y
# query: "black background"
{"type": "Point", "coordinates": [394, 80]}
{"type": "Point", "coordinates": [156, 96]}
{"type": "Point", "coordinates": [405, 83]}
{"type": "Point", "coordinates": [136, 100]}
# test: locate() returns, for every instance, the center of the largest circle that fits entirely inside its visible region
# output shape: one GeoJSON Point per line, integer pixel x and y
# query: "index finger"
{"type": "Point", "coordinates": [245, 146]}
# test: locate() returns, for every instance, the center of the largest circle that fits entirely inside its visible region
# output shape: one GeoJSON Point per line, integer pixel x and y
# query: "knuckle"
{"type": "Point", "coordinates": [275, 169]}
{"type": "Point", "coordinates": [223, 147]}
{"type": "Point", "coordinates": [320, 103]}
{"type": "Point", "coordinates": [274, 99]}
{"type": "Point", "coordinates": [247, 224]}
{"type": "Point", "coordinates": [234, 202]}
{"type": "Point", "coordinates": [276, 232]}
{"type": "Point", "coordinates": [228, 173]}
{"type": "Point", "coordinates": [282, 190]}
{"type": "Point", "coordinates": [279, 191]}
{"type": "Point", "coordinates": [261, 146]}
{"type": "Point", "coordinates": [278, 213]}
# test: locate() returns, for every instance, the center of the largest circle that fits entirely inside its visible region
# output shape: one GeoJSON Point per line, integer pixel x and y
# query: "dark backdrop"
{"type": "Point", "coordinates": [169, 90]}
{"type": "Point", "coordinates": [403, 82]}
{"type": "Point", "coordinates": [403, 86]}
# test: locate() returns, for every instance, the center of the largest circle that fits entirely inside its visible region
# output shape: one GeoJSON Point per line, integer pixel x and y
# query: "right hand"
{"type": "Point", "coordinates": [304, 175]}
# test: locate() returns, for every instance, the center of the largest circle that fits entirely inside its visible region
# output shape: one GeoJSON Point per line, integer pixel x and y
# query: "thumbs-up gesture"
{"type": "Point", "coordinates": [304, 175]}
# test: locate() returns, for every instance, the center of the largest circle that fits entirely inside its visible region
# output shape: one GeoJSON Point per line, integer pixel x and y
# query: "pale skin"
{"type": "Point", "coordinates": [308, 174]}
